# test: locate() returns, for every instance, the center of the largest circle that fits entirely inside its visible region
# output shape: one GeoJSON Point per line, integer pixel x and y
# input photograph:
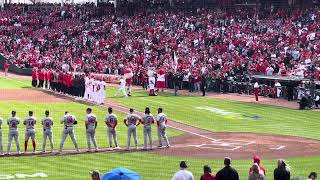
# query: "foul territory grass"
{"type": "Point", "coordinates": [57, 111]}
{"type": "Point", "coordinates": [10, 83]}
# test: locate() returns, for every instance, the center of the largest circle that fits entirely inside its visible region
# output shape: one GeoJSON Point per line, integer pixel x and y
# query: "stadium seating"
{"type": "Point", "coordinates": [225, 43]}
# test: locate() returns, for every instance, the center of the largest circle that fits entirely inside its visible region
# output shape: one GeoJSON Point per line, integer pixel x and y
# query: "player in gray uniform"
{"type": "Point", "coordinates": [1, 148]}
{"type": "Point", "coordinates": [91, 123]}
{"type": "Point", "coordinates": [47, 124]}
{"type": "Point", "coordinates": [147, 122]}
{"type": "Point", "coordinates": [69, 121]}
{"type": "Point", "coordinates": [111, 121]}
{"type": "Point", "coordinates": [132, 121]}
{"type": "Point", "coordinates": [162, 125]}
{"type": "Point", "coordinates": [29, 122]}
{"type": "Point", "coordinates": [13, 123]}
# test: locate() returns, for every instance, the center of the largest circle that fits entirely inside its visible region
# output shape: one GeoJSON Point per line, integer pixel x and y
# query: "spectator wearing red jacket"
{"type": "Point", "coordinates": [207, 174]}
{"type": "Point", "coordinates": [41, 77]}
{"type": "Point", "coordinates": [256, 159]}
{"type": "Point", "coordinates": [60, 81]}
{"type": "Point", "coordinates": [49, 78]}
{"type": "Point", "coordinates": [6, 68]}
{"type": "Point", "coordinates": [65, 82]}
{"type": "Point", "coordinates": [161, 80]}
{"type": "Point", "coordinates": [70, 84]}
{"type": "Point", "coordinates": [34, 75]}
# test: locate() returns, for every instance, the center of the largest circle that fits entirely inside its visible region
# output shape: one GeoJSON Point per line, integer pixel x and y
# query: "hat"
{"type": "Point", "coordinates": [183, 164]}
{"type": "Point", "coordinates": [95, 173]}
{"type": "Point", "coordinates": [207, 169]}
{"type": "Point", "coordinates": [313, 174]}
{"type": "Point", "coordinates": [256, 159]}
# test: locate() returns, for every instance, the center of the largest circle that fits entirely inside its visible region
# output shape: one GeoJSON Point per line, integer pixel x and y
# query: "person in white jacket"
{"type": "Point", "coordinates": [122, 88]}
{"type": "Point", "coordinates": [183, 173]}
{"type": "Point", "coordinates": [277, 85]}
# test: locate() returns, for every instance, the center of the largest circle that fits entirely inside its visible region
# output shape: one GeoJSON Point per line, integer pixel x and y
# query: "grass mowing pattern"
{"type": "Point", "coordinates": [10, 83]}
{"type": "Point", "coordinates": [155, 167]}
{"type": "Point", "coordinates": [249, 117]}
{"type": "Point", "coordinates": [150, 167]}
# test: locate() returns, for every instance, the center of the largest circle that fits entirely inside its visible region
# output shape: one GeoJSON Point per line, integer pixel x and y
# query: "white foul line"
{"type": "Point", "coordinates": [278, 148]}
{"type": "Point", "coordinates": [200, 135]}
{"type": "Point", "coordinates": [203, 136]}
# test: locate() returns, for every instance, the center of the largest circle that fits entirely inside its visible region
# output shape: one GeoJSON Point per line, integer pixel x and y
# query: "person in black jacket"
{"type": "Point", "coordinates": [203, 84]}
{"type": "Point", "coordinates": [227, 173]}
{"type": "Point", "coordinates": [176, 83]}
{"type": "Point", "coordinates": [290, 88]}
{"type": "Point", "coordinates": [282, 172]}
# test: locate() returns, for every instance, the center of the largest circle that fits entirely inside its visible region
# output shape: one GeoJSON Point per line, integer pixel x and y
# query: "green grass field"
{"type": "Point", "coordinates": [242, 117]}
{"type": "Point", "coordinates": [9, 83]}
{"type": "Point", "coordinates": [245, 117]}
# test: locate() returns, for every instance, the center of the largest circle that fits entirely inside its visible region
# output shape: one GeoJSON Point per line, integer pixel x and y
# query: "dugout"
{"type": "Point", "coordinates": [299, 83]}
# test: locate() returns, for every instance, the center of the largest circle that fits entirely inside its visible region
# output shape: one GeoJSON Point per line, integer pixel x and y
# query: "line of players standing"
{"type": "Point", "coordinates": [74, 84]}
{"type": "Point", "coordinates": [69, 121]}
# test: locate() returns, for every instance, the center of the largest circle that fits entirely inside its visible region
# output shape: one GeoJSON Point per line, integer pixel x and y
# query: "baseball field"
{"type": "Point", "coordinates": [202, 131]}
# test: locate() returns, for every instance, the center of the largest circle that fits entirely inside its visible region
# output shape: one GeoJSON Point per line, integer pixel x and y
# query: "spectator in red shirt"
{"type": "Point", "coordinates": [70, 84]}
{"type": "Point", "coordinates": [60, 81]}
{"type": "Point", "coordinates": [34, 75]}
{"type": "Point", "coordinates": [207, 174]}
{"type": "Point", "coordinates": [256, 159]}
{"type": "Point", "coordinates": [49, 78]}
{"type": "Point", "coordinates": [41, 78]}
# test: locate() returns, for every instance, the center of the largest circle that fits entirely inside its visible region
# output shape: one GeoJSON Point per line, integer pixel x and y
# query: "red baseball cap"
{"type": "Point", "coordinates": [256, 159]}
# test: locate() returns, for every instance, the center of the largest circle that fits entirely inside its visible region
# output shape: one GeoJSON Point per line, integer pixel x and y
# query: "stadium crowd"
{"type": "Point", "coordinates": [224, 44]}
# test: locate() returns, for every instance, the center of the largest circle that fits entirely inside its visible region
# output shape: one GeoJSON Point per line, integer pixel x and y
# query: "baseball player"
{"type": "Point", "coordinates": [47, 124]}
{"type": "Point", "coordinates": [132, 121]}
{"type": "Point", "coordinates": [1, 149]}
{"type": "Point", "coordinates": [30, 122]}
{"type": "Point", "coordinates": [95, 89]}
{"type": "Point", "coordinates": [13, 123]}
{"type": "Point", "coordinates": [91, 123]}
{"type": "Point", "coordinates": [122, 88]}
{"type": "Point", "coordinates": [111, 121]}
{"type": "Point", "coordinates": [147, 122]}
{"type": "Point", "coordinates": [102, 92]}
{"type": "Point", "coordinates": [162, 125]}
{"type": "Point", "coordinates": [69, 121]}
{"type": "Point", "coordinates": [91, 88]}
{"type": "Point", "coordinates": [87, 87]}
